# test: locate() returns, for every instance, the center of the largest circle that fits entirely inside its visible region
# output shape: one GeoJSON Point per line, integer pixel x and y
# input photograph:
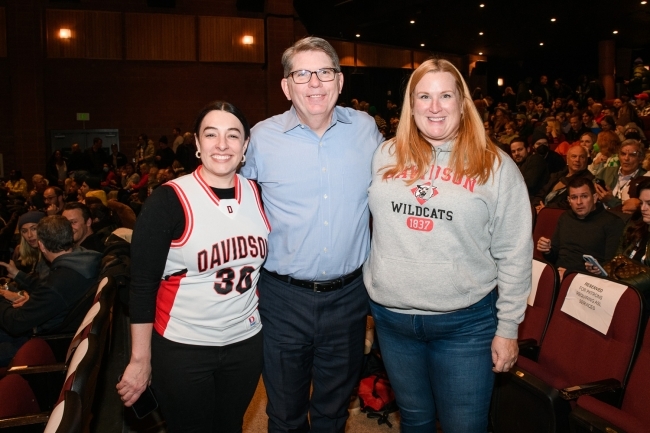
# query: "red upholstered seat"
{"type": "Point", "coordinates": [528, 398]}
{"type": "Point", "coordinates": [545, 226]}
{"type": "Point", "coordinates": [533, 328]}
{"type": "Point", "coordinates": [633, 416]}
{"type": "Point", "coordinates": [16, 397]}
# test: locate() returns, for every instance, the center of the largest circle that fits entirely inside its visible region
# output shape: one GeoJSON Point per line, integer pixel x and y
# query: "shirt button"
{"type": "Point", "coordinates": [326, 223]}
{"type": "Point", "coordinates": [323, 272]}
{"type": "Point", "coordinates": [324, 169]}
{"type": "Point", "coordinates": [325, 249]}
{"type": "Point", "coordinates": [325, 196]}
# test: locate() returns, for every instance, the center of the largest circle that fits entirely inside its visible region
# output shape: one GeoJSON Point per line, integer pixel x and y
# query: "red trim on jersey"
{"type": "Point", "coordinates": [208, 189]}
{"type": "Point", "coordinates": [259, 203]}
{"type": "Point", "coordinates": [165, 301]}
{"type": "Point", "coordinates": [237, 189]}
{"type": "Point", "coordinates": [189, 217]}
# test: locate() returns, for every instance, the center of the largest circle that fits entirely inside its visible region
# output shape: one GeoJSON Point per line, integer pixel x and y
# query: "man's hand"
{"type": "Point", "coordinates": [631, 205]}
{"type": "Point", "coordinates": [544, 245]}
{"type": "Point", "coordinates": [604, 194]}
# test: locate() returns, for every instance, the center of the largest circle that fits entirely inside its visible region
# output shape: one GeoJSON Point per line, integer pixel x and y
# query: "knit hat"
{"type": "Point", "coordinates": [163, 139]}
{"type": "Point", "coordinates": [538, 135]}
{"type": "Point", "coordinates": [642, 95]}
{"type": "Point", "coordinates": [30, 217]}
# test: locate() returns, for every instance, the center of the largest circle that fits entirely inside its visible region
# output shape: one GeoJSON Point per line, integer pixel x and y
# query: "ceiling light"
{"type": "Point", "coordinates": [247, 40]}
{"type": "Point", "coordinates": [481, 5]}
{"type": "Point", "coordinates": [358, 35]}
{"type": "Point", "coordinates": [412, 21]}
{"type": "Point", "coordinates": [480, 54]}
{"type": "Point", "coordinates": [65, 33]}
{"type": "Point", "coordinates": [500, 82]}
{"type": "Point", "coordinates": [615, 32]}
{"type": "Point", "coordinates": [421, 45]}
{"type": "Point", "coordinates": [480, 33]}
{"type": "Point", "coordinates": [553, 20]}
{"type": "Point", "coordinates": [644, 2]}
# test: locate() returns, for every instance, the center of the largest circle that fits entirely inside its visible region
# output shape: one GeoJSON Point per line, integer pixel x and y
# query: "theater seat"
{"type": "Point", "coordinates": [16, 397]}
{"type": "Point", "coordinates": [574, 358]}
{"type": "Point", "coordinates": [592, 415]}
{"type": "Point", "coordinates": [545, 285]}
{"type": "Point", "coordinates": [545, 224]}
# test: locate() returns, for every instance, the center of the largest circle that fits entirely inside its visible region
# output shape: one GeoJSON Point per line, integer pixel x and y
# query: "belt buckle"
{"type": "Point", "coordinates": [315, 287]}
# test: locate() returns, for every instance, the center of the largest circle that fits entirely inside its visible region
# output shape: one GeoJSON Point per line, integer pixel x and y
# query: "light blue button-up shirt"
{"type": "Point", "coordinates": [315, 192]}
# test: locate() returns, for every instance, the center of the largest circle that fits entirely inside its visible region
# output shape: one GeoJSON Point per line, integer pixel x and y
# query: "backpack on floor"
{"type": "Point", "coordinates": [375, 393]}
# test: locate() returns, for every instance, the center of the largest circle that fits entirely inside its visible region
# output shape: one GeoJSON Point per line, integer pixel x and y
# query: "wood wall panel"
{"type": "Point", "coordinates": [221, 39]}
{"type": "Point", "coordinates": [367, 55]}
{"type": "Point", "coordinates": [160, 37]}
{"type": "Point", "coordinates": [419, 57]}
{"type": "Point", "coordinates": [345, 51]}
{"type": "Point", "coordinates": [103, 35]}
{"type": "Point", "coordinates": [394, 58]}
{"type": "Point", "coordinates": [75, 47]}
{"type": "Point", "coordinates": [3, 33]}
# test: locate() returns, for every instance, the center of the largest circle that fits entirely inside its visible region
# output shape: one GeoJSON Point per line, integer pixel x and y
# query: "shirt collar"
{"type": "Point", "coordinates": [627, 176]}
{"type": "Point", "coordinates": [340, 114]}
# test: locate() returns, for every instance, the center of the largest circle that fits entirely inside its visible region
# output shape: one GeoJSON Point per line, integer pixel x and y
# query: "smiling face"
{"type": "Point", "coordinates": [222, 145]}
{"type": "Point", "coordinates": [28, 232]}
{"type": "Point", "coordinates": [437, 107]}
{"type": "Point", "coordinates": [314, 101]}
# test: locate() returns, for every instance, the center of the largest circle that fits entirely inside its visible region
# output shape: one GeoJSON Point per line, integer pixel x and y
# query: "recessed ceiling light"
{"type": "Point", "coordinates": [358, 35]}
{"type": "Point", "coordinates": [412, 21]}
{"type": "Point", "coordinates": [480, 54]}
{"type": "Point", "coordinates": [644, 2]}
{"type": "Point", "coordinates": [481, 5]}
{"type": "Point", "coordinates": [480, 33]}
{"type": "Point", "coordinates": [421, 45]}
{"type": "Point", "coordinates": [541, 43]}
{"type": "Point", "coordinates": [615, 32]}
{"type": "Point", "coordinates": [553, 20]}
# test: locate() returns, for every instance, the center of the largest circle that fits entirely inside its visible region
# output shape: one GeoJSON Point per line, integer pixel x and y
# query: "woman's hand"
{"type": "Point", "coordinates": [11, 268]}
{"type": "Point", "coordinates": [504, 353]}
{"type": "Point", "coordinates": [134, 381]}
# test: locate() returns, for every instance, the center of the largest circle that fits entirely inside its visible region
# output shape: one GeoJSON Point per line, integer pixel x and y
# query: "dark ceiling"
{"type": "Point", "coordinates": [512, 30]}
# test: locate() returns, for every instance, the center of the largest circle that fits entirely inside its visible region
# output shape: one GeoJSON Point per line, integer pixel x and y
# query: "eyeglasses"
{"type": "Point", "coordinates": [303, 76]}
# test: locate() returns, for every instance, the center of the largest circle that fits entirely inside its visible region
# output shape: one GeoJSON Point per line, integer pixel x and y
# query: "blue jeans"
{"type": "Point", "coordinates": [440, 363]}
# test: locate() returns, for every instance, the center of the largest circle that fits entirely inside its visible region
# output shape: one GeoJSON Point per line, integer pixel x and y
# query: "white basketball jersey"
{"type": "Point", "coordinates": [208, 295]}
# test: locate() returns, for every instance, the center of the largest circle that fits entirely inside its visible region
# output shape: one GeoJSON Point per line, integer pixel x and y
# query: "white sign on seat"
{"type": "Point", "coordinates": [538, 268]}
{"type": "Point", "coordinates": [593, 301]}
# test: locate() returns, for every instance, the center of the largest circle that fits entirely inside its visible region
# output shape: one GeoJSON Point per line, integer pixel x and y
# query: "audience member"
{"type": "Point", "coordinates": [164, 155]}
{"type": "Point", "coordinates": [79, 216]}
{"type": "Point", "coordinates": [97, 157]}
{"type": "Point", "coordinates": [177, 137]}
{"type": "Point", "coordinates": [531, 165]}
{"type": "Point", "coordinates": [554, 194]}
{"type": "Point", "coordinates": [117, 158]}
{"type": "Point", "coordinates": [554, 162]}
{"type": "Point", "coordinates": [642, 106]}
{"type": "Point", "coordinates": [587, 228]}
{"type": "Point", "coordinates": [16, 185]}
{"type": "Point", "coordinates": [608, 144]}
{"type": "Point", "coordinates": [577, 128]}
{"type": "Point", "coordinates": [49, 299]}
{"type": "Point", "coordinates": [616, 180]}
{"type": "Point", "coordinates": [78, 161]}
{"type": "Point", "coordinates": [56, 170]}
{"type": "Point", "coordinates": [36, 200]}
{"type": "Point", "coordinates": [54, 200]}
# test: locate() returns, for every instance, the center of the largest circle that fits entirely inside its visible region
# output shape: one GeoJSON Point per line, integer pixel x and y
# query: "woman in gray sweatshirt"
{"type": "Point", "coordinates": [451, 222]}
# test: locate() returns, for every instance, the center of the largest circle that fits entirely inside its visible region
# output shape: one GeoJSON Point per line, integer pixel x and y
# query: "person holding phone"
{"type": "Point", "coordinates": [197, 249]}
{"type": "Point", "coordinates": [587, 228]}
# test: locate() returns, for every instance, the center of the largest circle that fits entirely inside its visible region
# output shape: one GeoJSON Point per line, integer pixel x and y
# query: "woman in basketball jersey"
{"type": "Point", "coordinates": [197, 249]}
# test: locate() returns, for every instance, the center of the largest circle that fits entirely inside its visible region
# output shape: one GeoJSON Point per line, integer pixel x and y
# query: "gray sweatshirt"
{"type": "Point", "coordinates": [440, 246]}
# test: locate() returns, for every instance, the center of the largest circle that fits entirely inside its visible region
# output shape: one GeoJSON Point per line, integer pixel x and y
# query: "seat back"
{"type": "Point", "coordinates": [538, 315]}
{"type": "Point", "coordinates": [637, 392]}
{"type": "Point", "coordinates": [577, 353]}
{"type": "Point", "coordinates": [16, 397]}
{"type": "Point", "coordinates": [34, 352]}
{"type": "Point", "coordinates": [545, 224]}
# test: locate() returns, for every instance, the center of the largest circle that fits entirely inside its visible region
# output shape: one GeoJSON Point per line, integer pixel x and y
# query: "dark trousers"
{"type": "Point", "coordinates": [203, 389]}
{"type": "Point", "coordinates": [311, 339]}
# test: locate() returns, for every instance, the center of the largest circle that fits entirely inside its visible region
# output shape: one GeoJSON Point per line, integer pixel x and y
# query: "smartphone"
{"type": "Point", "coordinates": [591, 260]}
{"type": "Point", "coordinates": [146, 404]}
{"type": "Point", "coordinates": [600, 182]}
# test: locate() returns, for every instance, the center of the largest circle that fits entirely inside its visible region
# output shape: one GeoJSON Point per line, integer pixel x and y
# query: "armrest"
{"type": "Point", "coordinates": [573, 392]}
{"type": "Point", "coordinates": [18, 421]}
{"type": "Point", "coordinates": [529, 348]}
{"type": "Point", "coordinates": [56, 336]}
{"type": "Point", "coordinates": [26, 369]}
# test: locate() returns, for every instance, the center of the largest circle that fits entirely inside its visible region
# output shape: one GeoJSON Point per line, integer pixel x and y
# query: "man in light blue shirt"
{"type": "Point", "coordinates": [313, 164]}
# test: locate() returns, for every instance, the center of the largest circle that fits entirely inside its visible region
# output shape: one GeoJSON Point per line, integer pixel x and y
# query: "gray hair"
{"type": "Point", "coordinates": [310, 43]}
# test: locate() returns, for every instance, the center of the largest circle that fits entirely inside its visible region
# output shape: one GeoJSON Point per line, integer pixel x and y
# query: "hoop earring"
{"type": "Point", "coordinates": [198, 154]}
{"type": "Point", "coordinates": [243, 159]}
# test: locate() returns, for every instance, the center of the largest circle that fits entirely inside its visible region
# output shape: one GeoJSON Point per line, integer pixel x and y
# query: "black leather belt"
{"type": "Point", "coordinates": [319, 286]}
